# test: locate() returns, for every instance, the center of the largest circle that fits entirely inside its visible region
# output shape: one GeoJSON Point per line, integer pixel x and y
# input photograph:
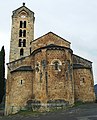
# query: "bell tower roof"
{"type": "Point", "coordinates": [22, 8]}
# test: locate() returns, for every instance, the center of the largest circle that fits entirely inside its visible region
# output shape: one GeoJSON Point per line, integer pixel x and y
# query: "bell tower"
{"type": "Point", "coordinates": [22, 33]}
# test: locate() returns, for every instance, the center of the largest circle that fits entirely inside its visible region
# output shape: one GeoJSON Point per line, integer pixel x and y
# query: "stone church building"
{"type": "Point", "coordinates": [43, 70]}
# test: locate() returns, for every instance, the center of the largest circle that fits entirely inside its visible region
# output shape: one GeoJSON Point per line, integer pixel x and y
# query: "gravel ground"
{"type": "Point", "coordinates": [82, 112]}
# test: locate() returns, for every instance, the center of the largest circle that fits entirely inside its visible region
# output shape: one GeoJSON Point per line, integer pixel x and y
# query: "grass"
{"type": "Point", "coordinates": [78, 103]}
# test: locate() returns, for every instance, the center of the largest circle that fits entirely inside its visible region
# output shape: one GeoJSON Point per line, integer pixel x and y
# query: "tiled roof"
{"type": "Point", "coordinates": [80, 66]}
{"type": "Point", "coordinates": [23, 68]}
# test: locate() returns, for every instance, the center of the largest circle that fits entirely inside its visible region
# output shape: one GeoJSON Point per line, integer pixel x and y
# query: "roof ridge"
{"type": "Point", "coordinates": [53, 34]}
{"type": "Point", "coordinates": [22, 7]}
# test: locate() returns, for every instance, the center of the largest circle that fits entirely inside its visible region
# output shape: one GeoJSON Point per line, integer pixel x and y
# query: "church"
{"type": "Point", "coordinates": [43, 70]}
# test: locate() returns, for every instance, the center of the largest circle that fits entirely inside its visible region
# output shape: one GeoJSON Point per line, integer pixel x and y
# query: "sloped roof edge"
{"type": "Point", "coordinates": [17, 60]}
{"type": "Point", "coordinates": [22, 7]}
{"type": "Point", "coordinates": [80, 66]}
{"type": "Point", "coordinates": [53, 34]}
{"type": "Point", "coordinates": [83, 58]}
{"type": "Point", "coordinates": [23, 68]}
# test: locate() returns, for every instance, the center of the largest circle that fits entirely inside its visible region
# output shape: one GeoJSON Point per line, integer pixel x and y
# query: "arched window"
{"type": "Point", "coordinates": [21, 82]}
{"type": "Point", "coordinates": [22, 24]}
{"type": "Point", "coordinates": [21, 52]}
{"type": "Point", "coordinates": [56, 65]}
{"type": "Point", "coordinates": [24, 33]}
{"type": "Point", "coordinates": [24, 42]}
{"type": "Point", "coordinates": [20, 33]}
{"type": "Point", "coordinates": [20, 42]}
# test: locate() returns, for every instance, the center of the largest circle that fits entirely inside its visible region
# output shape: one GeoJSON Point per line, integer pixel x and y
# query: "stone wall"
{"type": "Point", "coordinates": [50, 84]}
{"type": "Point", "coordinates": [83, 79]}
{"type": "Point", "coordinates": [13, 88]}
{"type": "Point", "coordinates": [20, 91]}
{"type": "Point", "coordinates": [84, 85]}
{"type": "Point", "coordinates": [48, 39]}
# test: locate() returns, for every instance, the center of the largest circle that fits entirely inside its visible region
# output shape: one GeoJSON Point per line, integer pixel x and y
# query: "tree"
{"type": "Point", "coordinates": [2, 73]}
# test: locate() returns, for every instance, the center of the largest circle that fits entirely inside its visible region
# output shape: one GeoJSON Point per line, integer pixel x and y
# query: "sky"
{"type": "Point", "coordinates": [74, 20]}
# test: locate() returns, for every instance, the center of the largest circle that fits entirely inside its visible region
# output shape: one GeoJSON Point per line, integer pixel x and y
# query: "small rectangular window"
{"type": "Point", "coordinates": [21, 82]}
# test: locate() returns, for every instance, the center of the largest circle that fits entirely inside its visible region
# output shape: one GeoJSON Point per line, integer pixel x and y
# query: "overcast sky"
{"type": "Point", "coordinates": [74, 20]}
